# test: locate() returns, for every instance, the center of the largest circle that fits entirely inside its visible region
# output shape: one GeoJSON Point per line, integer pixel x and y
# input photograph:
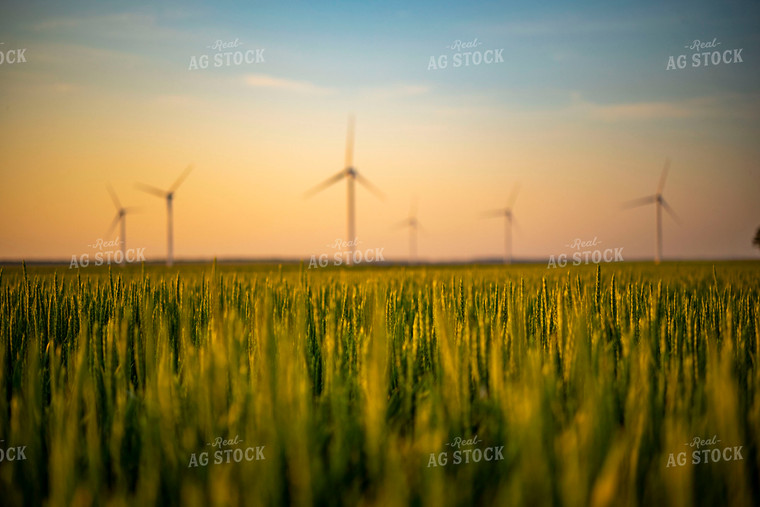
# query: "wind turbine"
{"type": "Point", "coordinates": [351, 175]}
{"type": "Point", "coordinates": [121, 216]}
{"type": "Point", "coordinates": [169, 196]}
{"type": "Point", "coordinates": [507, 214]}
{"type": "Point", "coordinates": [414, 227]}
{"type": "Point", "coordinates": [660, 203]}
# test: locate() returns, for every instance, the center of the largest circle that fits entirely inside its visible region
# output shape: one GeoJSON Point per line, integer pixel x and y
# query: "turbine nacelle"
{"type": "Point", "coordinates": [409, 222]}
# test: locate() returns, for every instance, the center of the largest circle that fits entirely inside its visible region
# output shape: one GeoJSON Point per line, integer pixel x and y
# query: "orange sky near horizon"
{"type": "Point", "coordinates": [258, 143]}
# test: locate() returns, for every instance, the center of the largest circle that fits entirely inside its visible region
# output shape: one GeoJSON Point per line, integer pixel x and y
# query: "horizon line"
{"type": "Point", "coordinates": [388, 262]}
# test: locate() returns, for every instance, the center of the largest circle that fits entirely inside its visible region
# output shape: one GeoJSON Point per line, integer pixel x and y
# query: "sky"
{"type": "Point", "coordinates": [582, 114]}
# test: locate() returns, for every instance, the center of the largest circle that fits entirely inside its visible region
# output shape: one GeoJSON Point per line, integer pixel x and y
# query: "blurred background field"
{"type": "Point", "coordinates": [589, 377]}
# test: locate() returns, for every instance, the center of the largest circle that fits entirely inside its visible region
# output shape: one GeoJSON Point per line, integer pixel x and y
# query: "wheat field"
{"type": "Point", "coordinates": [224, 384]}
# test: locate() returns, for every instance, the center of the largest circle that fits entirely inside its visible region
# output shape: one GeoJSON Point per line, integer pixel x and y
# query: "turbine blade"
{"type": "Point", "coordinates": [493, 213]}
{"type": "Point", "coordinates": [640, 202]}
{"type": "Point", "coordinates": [514, 224]}
{"type": "Point", "coordinates": [132, 209]}
{"type": "Point", "coordinates": [513, 196]}
{"type": "Point", "coordinates": [350, 142]}
{"type": "Point", "coordinates": [324, 184]}
{"type": "Point", "coordinates": [403, 223]}
{"type": "Point", "coordinates": [369, 186]}
{"type": "Point", "coordinates": [671, 212]}
{"type": "Point", "coordinates": [413, 208]}
{"type": "Point", "coordinates": [113, 197]}
{"type": "Point", "coordinates": [181, 179]}
{"type": "Point", "coordinates": [151, 190]}
{"type": "Point", "coordinates": [663, 175]}
{"type": "Point", "coordinates": [113, 224]}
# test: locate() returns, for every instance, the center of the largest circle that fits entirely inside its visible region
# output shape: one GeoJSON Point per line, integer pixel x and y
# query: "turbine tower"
{"type": "Point", "coordinates": [414, 228]}
{"type": "Point", "coordinates": [169, 196]}
{"type": "Point", "coordinates": [507, 214]}
{"type": "Point", "coordinates": [121, 217]}
{"type": "Point", "coordinates": [659, 203]}
{"type": "Point", "coordinates": [351, 175]}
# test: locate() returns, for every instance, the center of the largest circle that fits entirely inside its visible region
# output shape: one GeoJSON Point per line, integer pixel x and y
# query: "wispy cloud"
{"type": "Point", "coordinates": [395, 91]}
{"type": "Point", "coordinates": [642, 111]}
{"type": "Point", "coordinates": [182, 100]}
{"type": "Point", "coordinates": [735, 106]}
{"type": "Point", "coordinates": [572, 22]}
{"type": "Point", "coordinates": [288, 85]}
{"type": "Point", "coordinates": [124, 25]}
{"type": "Point", "coordinates": [63, 87]}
